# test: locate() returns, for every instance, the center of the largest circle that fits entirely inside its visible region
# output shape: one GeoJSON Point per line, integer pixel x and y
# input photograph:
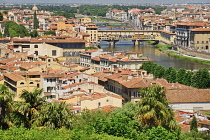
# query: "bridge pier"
{"type": "Point", "coordinates": [135, 42]}
{"type": "Point", "coordinates": [112, 43]}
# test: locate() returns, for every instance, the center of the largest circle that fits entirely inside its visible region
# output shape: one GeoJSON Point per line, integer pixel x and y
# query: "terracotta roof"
{"type": "Point", "coordinates": [101, 76]}
{"type": "Point", "coordinates": [91, 50]}
{"type": "Point", "coordinates": [28, 73]}
{"type": "Point", "coordinates": [201, 29]}
{"type": "Point", "coordinates": [97, 58]}
{"type": "Point", "coordinates": [52, 75]}
{"type": "Point", "coordinates": [133, 53]}
{"type": "Point", "coordinates": [193, 24]}
{"type": "Point", "coordinates": [14, 77]}
{"type": "Point", "coordinates": [73, 85]}
{"type": "Point", "coordinates": [188, 96]}
{"type": "Point", "coordinates": [207, 122]}
{"type": "Point", "coordinates": [31, 65]}
{"type": "Point", "coordinates": [106, 71]}
{"type": "Point", "coordinates": [136, 83]}
{"type": "Point", "coordinates": [83, 69]}
{"type": "Point", "coordinates": [107, 56]}
{"type": "Point", "coordinates": [5, 61]}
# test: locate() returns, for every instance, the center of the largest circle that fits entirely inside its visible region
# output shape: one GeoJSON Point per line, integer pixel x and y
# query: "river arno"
{"type": "Point", "coordinates": [153, 53]}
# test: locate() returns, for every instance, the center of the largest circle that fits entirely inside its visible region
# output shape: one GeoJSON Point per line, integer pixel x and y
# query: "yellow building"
{"type": "Point", "coordinates": [17, 83]}
{"type": "Point", "coordinates": [66, 25]}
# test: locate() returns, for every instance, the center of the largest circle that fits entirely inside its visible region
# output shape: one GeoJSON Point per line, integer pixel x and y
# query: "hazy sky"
{"type": "Point", "coordinates": [104, 1]}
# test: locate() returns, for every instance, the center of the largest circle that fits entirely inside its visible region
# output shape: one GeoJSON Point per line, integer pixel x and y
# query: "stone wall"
{"type": "Point", "coordinates": [194, 53]}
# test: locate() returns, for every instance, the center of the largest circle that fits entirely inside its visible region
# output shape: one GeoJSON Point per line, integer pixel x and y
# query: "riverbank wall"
{"type": "Point", "coordinates": [194, 53]}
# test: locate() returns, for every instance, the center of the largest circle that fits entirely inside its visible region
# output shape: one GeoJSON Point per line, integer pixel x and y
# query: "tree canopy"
{"type": "Point", "coordinates": [12, 29]}
{"type": "Point", "coordinates": [51, 32]}
{"type": "Point", "coordinates": [1, 16]}
{"type": "Point", "coordinates": [154, 110]}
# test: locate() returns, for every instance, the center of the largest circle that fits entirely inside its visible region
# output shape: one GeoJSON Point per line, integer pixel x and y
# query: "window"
{"type": "Point", "coordinates": [197, 42]}
{"type": "Point", "coordinates": [31, 83]}
{"type": "Point", "coordinates": [49, 89]}
{"type": "Point", "coordinates": [53, 52]}
{"type": "Point", "coordinates": [49, 60]}
{"type": "Point", "coordinates": [21, 83]}
{"type": "Point", "coordinates": [35, 46]}
{"type": "Point", "coordinates": [36, 52]}
{"type": "Point", "coordinates": [202, 41]}
{"type": "Point", "coordinates": [99, 104]}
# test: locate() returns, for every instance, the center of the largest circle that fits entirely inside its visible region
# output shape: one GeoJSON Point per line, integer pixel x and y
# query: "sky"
{"type": "Point", "coordinates": [103, 1]}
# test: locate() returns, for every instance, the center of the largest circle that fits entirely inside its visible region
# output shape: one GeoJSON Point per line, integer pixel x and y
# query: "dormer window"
{"type": "Point", "coordinates": [154, 83]}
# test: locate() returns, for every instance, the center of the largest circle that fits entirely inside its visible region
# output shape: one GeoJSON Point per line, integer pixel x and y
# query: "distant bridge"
{"type": "Point", "coordinates": [113, 36]}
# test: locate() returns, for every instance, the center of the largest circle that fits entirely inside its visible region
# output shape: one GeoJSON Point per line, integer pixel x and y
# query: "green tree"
{"type": "Point", "coordinates": [53, 115]}
{"type": "Point", "coordinates": [201, 78]}
{"type": "Point", "coordinates": [194, 125]}
{"type": "Point", "coordinates": [192, 135]}
{"type": "Point", "coordinates": [181, 73]}
{"type": "Point", "coordinates": [159, 72]}
{"type": "Point", "coordinates": [1, 34]}
{"type": "Point", "coordinates": [159, 133]}
{"type": "Point", "coordinates": [154, 110]}
{"type": "Point", "coordinates": [187, 79]}
{"type": "Point", "coordinates": [25, 110]}
{"type": "Point", "coordinates": [149, 66]}
{"type": "Point", "coordinates": [170, 75]}
{"type": "Point", "coordinates": [5, 12]}
{"type": "Point", "coordinates": [6, 98]}
{"type": "Point", "coordinates": [64, 13]}
{"type": "Point", "coordinates": [50, 33]}
{"type": "Point", "coordinates": [12, 29]}
{"type": "Point", "coordinates": [1, 16]}
{"type": "Point", "coordinates": [129, 109]}
{"type": "Point", "coordinates": [34, 33]}
{"type": "Point", "coordinates": [36, 21]}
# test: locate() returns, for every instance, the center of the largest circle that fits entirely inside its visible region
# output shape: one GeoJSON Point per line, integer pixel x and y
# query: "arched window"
{"type": "Point", "coordinates": [31, 83]}
{"type": "Point", "coordinates": [21, 83]}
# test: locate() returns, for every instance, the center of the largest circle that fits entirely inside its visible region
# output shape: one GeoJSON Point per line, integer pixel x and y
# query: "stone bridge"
{"type": "Point", "coordinates": [113, 36]}
{"type": "Point", "coordinates": [136, 36]}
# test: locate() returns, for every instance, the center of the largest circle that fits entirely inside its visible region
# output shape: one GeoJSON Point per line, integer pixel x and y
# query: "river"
{"type": "Point", "coordinates": [153, 53]}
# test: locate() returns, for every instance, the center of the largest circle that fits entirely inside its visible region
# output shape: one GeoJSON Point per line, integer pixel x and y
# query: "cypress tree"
{"type": "Point", "coordinates": [36, 22]}
{"type": "Point", "coordinates": [1, 17]}
{"type": "Point", "coordinates": [194, 125]}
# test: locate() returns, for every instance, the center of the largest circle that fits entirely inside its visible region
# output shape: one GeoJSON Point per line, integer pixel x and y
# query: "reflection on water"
{"type": "Point", "coordinates": [153, 53]}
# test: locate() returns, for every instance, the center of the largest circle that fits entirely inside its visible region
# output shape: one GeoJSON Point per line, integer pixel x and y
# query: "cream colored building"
{"type": "Point", "coordinates": [85, 20]}
{"type": "Point", "coordinates": [106, 100]}
{"type": "Point", "coordinates": [199, 38]}
{"type": "Point", "coordinates": [84, 100]}
{"type": "Point", "coordinates": [52, 47]}
{"type": "Point", "coordinates": [91, 29]}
